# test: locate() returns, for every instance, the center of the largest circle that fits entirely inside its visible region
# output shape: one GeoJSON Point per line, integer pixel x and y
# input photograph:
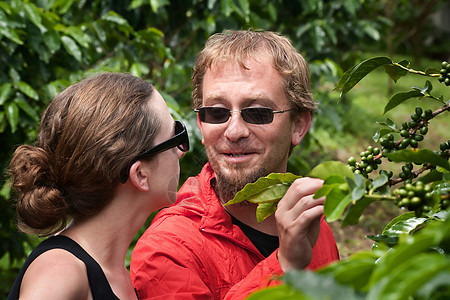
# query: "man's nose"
{"type": "Point", "coordinates": [236, 127]}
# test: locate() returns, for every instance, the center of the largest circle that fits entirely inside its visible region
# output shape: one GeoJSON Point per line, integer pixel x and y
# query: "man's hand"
{"type": "Point", "coordinates": [298, 221]}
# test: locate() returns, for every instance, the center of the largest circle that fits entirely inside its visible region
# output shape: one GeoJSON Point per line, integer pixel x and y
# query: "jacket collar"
{"type": "Point", "coordinates": [197, 198]}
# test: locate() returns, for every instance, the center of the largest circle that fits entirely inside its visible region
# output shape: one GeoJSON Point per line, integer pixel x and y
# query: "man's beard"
{"type": "Point", "coordinates": [227, 185]}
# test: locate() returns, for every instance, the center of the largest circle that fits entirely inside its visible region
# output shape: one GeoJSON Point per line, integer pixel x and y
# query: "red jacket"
{"type": "Point", "coordinates": [192, 250]}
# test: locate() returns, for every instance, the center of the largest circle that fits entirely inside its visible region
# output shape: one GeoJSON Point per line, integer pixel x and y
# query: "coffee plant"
{"type": "Point", "coordinates": [410, 257]}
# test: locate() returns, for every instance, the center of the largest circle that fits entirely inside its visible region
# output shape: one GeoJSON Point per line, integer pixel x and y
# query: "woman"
{"type": "Point", "coordinates": [90, 182]}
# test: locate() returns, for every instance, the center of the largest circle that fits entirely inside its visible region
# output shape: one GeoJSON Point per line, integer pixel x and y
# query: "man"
{"type": "Point", "coordinates": [252, 93]}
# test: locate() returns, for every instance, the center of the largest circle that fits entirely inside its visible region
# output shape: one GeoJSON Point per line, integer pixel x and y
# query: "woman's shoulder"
{"type": "Point", "coordinates": [55, 274]}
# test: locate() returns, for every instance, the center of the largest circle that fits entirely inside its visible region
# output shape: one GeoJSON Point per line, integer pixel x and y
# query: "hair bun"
{"type": "Point", "coordinates": [40, 204]}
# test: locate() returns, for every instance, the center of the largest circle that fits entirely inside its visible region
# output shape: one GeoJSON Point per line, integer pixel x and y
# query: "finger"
{"type": "Point", "coordinates": [298, 209]}
{"type": "Point", "coordinates": [300, 188]}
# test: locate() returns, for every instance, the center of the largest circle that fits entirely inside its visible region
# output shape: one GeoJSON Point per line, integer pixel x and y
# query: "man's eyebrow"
{"type": "Point", "coordinates": [252, 99]}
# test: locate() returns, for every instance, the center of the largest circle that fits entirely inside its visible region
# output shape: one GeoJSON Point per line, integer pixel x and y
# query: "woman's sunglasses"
{"type": "Point", "coordinates": [179, 140]}
{"type": "Point", "coordinates": [252, 115]}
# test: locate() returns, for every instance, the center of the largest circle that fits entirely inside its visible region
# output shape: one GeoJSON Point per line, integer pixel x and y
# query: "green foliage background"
{"type": "Point", "coordinates": [45, 45]}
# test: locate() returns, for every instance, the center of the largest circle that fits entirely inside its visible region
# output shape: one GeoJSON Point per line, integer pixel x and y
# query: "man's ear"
{"type": "Point", "coordinates": [139, 176]}
{"type": "Point", "coordinates": [301, 127]}
{"type": "Point", "coordinates": [199, 124]}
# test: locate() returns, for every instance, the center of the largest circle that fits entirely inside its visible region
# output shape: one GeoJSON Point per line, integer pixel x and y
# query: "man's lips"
{"type": "Point", "coordinates": [236, 154]}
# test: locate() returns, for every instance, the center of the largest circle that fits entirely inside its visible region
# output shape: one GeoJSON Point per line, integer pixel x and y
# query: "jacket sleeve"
{"type": "Point", "coordinates": [170, 271]}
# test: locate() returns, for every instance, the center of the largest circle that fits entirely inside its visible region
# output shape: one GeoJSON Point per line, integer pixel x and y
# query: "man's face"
{"type": "Point", "coordinates": [241, 152]}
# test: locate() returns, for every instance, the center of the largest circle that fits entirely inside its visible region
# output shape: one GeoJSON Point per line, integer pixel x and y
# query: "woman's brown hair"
{"type": "Point", "coordinates": [89, 133]}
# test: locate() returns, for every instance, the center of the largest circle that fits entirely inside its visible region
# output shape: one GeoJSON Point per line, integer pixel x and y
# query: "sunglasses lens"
{"type": "Point", "coordinates": [179, 128]}
{"type": "Point", "coordinates": [257, 115]}
{"type": "Point", "coordinates": [214, 115]}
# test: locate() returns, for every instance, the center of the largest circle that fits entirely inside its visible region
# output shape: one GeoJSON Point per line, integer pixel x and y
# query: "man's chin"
{"type": "Point", "coordinates": [231, 181]}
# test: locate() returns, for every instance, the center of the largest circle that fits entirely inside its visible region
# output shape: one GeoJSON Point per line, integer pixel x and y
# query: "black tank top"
{"type": "Point", "coordinates": [98, 283]}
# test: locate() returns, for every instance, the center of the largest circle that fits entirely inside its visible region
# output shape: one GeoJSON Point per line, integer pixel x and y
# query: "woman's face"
{"type": "Point", "coordinates": [164, 167]}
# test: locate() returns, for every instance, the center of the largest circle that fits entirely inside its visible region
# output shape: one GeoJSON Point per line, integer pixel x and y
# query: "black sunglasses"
{"type": "Point", "coordinates": [179, 140]}
{"type": "Point", "coordinates": [252, 115]}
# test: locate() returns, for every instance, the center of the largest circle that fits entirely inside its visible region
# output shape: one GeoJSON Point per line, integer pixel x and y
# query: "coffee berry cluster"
{"type": "Point", "coordinates": [412, 132]}
{"type": "Point", "coordinates": [445, 148]}
{"type": "Point", "coordinates": [415, 197]}
{"type": "Point", "coordinates": [370, 159]}
{"type": "Point", "coordinates": [445, 73]}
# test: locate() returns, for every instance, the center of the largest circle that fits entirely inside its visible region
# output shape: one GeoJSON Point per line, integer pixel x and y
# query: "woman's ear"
{"type": "Point", "coordinates": [300, 127]}
{"type": "Point", "coordinates": [139, 176]}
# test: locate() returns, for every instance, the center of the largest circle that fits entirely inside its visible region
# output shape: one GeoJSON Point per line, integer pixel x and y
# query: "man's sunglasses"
{"type": "Point", "coordinates": [252, 115]}
{"type": "Point", "coordinates": [179, 140]}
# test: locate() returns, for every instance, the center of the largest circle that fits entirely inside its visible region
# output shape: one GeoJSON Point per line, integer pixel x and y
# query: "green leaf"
{"type": "Point", "coordinates": [227, 7]}
{"type": "Point", "coordinates": [419, 156]}
{"type": "Point", "coordinates": [389, 240]}
{"type": "Point", "coordinates": [23, 104]}
{"type": "Point", "coordinates": [335, 204]}
{"type": "Point", "coordinates": [260, 186]}
{"type": "Point", "coordinates": [280, 292]}
{"type": "Point", "coordinates": [380, 181]}
{"type": "Point", "coordinates": [350, 6]}
{"type": "Point", "coordinates": [3, 123]}
{"type": "Point", "coordinates": [431, 70]}
{"type": "Point", "coordinates": [124, 26]}
{"type": "Point", "coordinates": [52, 40]}
{"type": "Point", "coordinates": [360, 187]}
{"type": "Point", "coordinates": [371, 31]}
{"type": "Point", "coordinates": [78, 35]}
{"type": "Point", "coordinates": [34, 15]}
{"type": "Point", "coordinates": [266, 192]}
{"type": "Point", "coordinates": [156, 4]}
{"type": "Point", "coordinates": [354, 212]}
{"type": "Point", "coordinates": [334, 181]}
{"type": "Point", "coordinates": [284, 177]}
{"type": "Point", "coordinates": [245, 6]}
{"type": "Point", "coordinates": [272, 12]}
{"type": "Point", "coordinates": [11, 34]}
{"type": "Point", "coordinates": [395, 72]}
{"type": "Point", "coordinates": [5, 88]}
{"type": "Point", "coordinates": [271, 194]}
{"type": "Point", "coordinates": [402, 253]}
{"type": "Point", "coordinates": [27, 90]}
{"type": "Point", "coordinates": [100, 31]}
{"type": "Point", "coordinates": [359, 72]}
{"type": "Point", "coordinates": [71, 47]}
{"type": "Point", "coordinates": [389, 123]}
{"type": "Point", "coordinates": [403, 224]}
{"type": "Point", "coordinates": [64, 5]}
{"type": "Point", "coordinates": [380, 133]}
{"type": "Point", "coordinates": [403, 281]}
{"type": "Point", "coordinates": [434, 285]}
{"type": "Point", "coordinates": [354, 271]}
{"type": "Point", "coordinates": [137, 3]}
{"type": "Point", "coordinates": [264, 210]}
{"type": "Point", "coordinates": [320, 286]}
{"type": "Point", "coordinates": [426, 90]}
{"type": "Point", "coordinates": [402, 217]}
{"type": "Point", "coordinates": [328, 168]}
{"type": "Point", "coordinates": [12, 115]}
{"type": "Point", "coordinates": [6, 7]}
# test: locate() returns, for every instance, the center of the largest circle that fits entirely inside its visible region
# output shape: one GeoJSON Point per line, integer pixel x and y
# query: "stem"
{"type": "Point", "coordinates": [415, 174]}
{"type": "Point", "coordinates": [416, 72]}
{"type": "Point", "coordinates": [381, 197]}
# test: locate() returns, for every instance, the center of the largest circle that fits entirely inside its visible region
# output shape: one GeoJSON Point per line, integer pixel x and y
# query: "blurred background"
{"type": "Point", "coordinates": [45, 45]}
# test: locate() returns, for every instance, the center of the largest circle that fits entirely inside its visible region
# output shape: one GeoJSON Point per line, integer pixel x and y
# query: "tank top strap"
{"type": "Point", "coordinates": [98, 282]}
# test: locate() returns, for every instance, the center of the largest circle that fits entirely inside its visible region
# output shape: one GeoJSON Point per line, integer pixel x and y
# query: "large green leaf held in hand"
{"type": "Point", "coordinates": [266, 192]}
